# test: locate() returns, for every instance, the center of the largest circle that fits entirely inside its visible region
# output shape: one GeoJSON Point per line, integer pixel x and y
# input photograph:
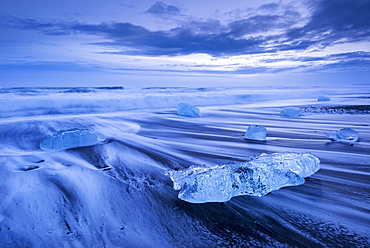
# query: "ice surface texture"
{"type": "Point", "coordinates": [256, 177]}
{"type": "Point", "coordinates": [323, 98]}
{"type": "Point", "coordinates": [185, 109]}
{"type": "Point", "coordinates": [256, 133]}
{"type": "Point", "coordinates": [345, 134]}
{"type": "Point", "coordinates": [66, 139]}
{"type": "Point", "coordinates": [291, 112]}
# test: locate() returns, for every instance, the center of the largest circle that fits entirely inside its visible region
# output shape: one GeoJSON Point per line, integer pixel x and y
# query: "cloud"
{"type": "Point", "coordinates": [46, 27]}
{"type": "Point", "coordinates": [358, 61]}
{"type": "Point", "coordinates": [331, 22]}
{"type": "Point", "coordinates": [363, 56]}
{"type": "Point", "coordinates": [141, 41]}
{"type": "Point", "coordinates": [345, 65]}
{"type": "Point", "coordinates": [261, 24]}
{"type": "Point", "coordinates": [269, 6]}
{"type": "Point", "coordinates": [50, 66]}
{"type": "Point", "coordinates": [160, 9]}
{"type": "Point", "coordinates": [341, 16]}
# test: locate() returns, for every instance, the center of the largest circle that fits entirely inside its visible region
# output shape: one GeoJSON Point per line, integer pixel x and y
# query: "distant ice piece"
{"type": "Point", "coordinates": [185, 109]}
{"type": "Point", "coordinates": [323, 98]}
{"type": "Point", "coordinates": [345, 134]}
{"type": "Point", "coordinates": [256, 177]}
{"type": "Point", "coordinates": [291, 112]}
{"type": "Point", "coordinates": [255, 132]}
{"type": "Point", "coordinates": [66, 139]}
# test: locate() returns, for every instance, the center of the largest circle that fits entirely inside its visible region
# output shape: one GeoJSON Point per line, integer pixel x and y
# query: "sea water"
{"type": "Point", "coordinates": [117, 192]}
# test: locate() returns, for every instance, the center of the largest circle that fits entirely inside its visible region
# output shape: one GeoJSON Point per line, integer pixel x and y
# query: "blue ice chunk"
{"type": "Point", "coordinates": [185, 109]}
{"type": "Point", "coordinates": [323, 98]}
{"type": "Point", "coordinates": [345, 134]}
{"type": "Point", "coordinates": [71, 138]}
{"type": "Point", "coordinates": [255, 132]}
{"type": "Point", "coordinates": [257, 177]}
{"type": "Point", "coordinates": [291, 112]}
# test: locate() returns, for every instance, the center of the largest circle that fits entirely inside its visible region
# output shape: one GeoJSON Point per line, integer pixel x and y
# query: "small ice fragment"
{"type": "Point", "coordinates": [291, 112]}
{"type": "Point", "coordinates": [185, 109]}
{"type": "Point", "coordinates": [257, 177]}
{"type": "Point", "coordinates": [323, 98]}
{"type": "Point", "coordinates": [66, 139]}
{"type": "Point", "coordinates": [255, 132]}
{"type": "Point", "coordinates": [345, 134]}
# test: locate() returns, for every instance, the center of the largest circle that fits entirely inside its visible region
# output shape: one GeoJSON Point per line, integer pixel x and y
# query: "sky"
{"type": "Point", "coordinates": [175, 43]}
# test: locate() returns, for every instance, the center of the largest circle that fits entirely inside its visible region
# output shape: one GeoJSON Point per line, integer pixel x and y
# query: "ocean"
{"type": "Point", "coordinates": [117, 192]}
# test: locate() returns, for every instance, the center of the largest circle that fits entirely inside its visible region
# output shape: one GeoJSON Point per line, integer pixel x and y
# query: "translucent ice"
{"type": "Point", "coordinates": [185, 109]}
{"type": "Point", "coordinates": [257, 177]}
{"type": "Point", "coordinates": [66, 139]}
{"type": "Point", "coordinates": [291, 112]}
{"type": "Point", "coordinates": [345, 134]}
{"type": "Point", "coordinates": [323, 98]}
{"type": "Point", "coordinates": [256, 133]}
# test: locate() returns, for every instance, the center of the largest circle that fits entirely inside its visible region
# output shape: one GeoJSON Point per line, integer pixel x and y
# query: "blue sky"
{"type": "Point", "coordinates": [184, 43]}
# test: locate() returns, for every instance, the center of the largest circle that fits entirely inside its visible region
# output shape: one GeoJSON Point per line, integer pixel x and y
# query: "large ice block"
{"type": "Point", "coordinates": [291, 112]}
{"type": "Point", "coordinates": [257, 177]}
{"type": "Point", "coordinates": [323, 98]}
{"type": "Point", "coordinates": [345, 134]}
{"type": "Point", "coordinates": [186, 109]}
{"type": "Point", "coordinates": [71, 138]}
{"type": "Point", "coordinates": [255, 132]}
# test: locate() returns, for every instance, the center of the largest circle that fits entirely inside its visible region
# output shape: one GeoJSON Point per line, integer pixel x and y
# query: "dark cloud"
{"type": "Point", "coordinates": [160, 9]}
{"type": "Point", "coordinates": [341, 16]}
{"type": "Point", "coordinates": [178, 41]}
{"type": "Point", "coordinates": [252, 25]}
{"type": "Point", "coordinates": [332, 21]}
{"type": "Point", "coordinates": [261, 24]}
{"type": "Point", "coordinates": [184, 42]}
{"type": "Point", "coordinates": [49, 28]}
{"type": "Point", "coordinates": [269, 6]}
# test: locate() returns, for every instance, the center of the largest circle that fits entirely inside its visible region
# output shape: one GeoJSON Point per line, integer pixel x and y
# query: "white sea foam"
{"type": "Point", "coordinates": [54, 101]}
